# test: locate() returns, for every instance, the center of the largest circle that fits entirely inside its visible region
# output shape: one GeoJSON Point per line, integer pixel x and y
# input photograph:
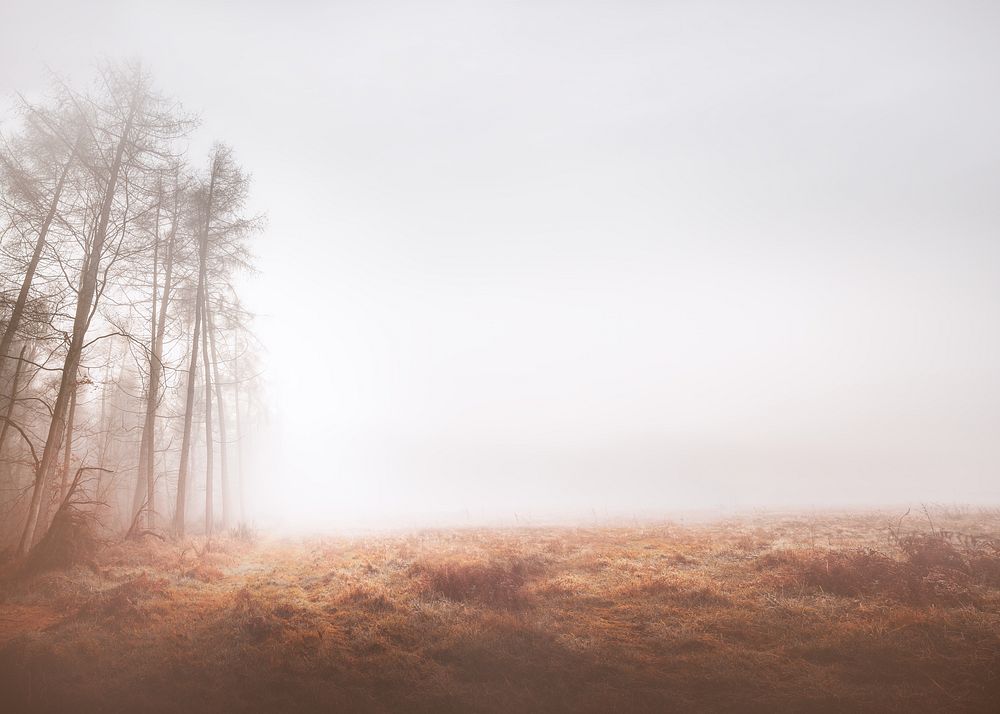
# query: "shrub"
{"type": "Point", "coordinates": [267, 614]}
{"type": "Point", "coordinates": [927, 551]}
{"type": "Point", "coordinates": [930, 571]}
{"type": "Point", "coordinates": [204, 572]}
{"type": "Point", "coordinates": [253, 615]}
{"type": "Point", "coordinates": [367, 599]}
{"type": "Point", "coordinates": [244, 533]}
{"type": "Point", "coordinates": [497, 583]}
{"type": "Point", "coordinates": [984, 566]}
{"type": "Point", "coordinates": [70, 540]}
{"type": "Point", "coordinates": [126, 601]}
{"type": "Point", "coordinates": [850, 573]}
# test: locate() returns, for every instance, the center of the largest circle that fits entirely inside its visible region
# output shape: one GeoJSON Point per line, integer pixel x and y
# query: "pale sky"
{"type": "Point", "coordinates": [567, 258]}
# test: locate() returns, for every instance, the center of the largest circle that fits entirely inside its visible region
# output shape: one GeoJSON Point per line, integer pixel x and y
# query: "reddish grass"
{"type": "Point", "coordinates": [776, 613]}
{"type": "Point", "coordinates": [929, 569]}
{"type": "Point", "coordinates": [126, 602]}
{"type": "Point", "coordinates": [497, 583]}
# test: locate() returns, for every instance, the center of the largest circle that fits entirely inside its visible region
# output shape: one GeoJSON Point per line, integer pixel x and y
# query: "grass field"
{"type": "Point", "coordinates": [769, 613]}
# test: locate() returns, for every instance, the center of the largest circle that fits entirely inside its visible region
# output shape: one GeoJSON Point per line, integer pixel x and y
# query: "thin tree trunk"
{"type": "Point", "coordinates": [105, 428]}
{"type": "Point", "coordinates": [85, 302]}
{"type": "Point", "coordinates": [146, 483]}
{"type": "Point", "coordinates": [182, 473]}
{"type": "Point", "coordinates": [182, 470]}
{"type": "Point", "coordinates": [223, 462]}
{"type": "Point", "coordinates": [239, 437]}
{"type": "Point", "coordinates": [29, 275]}
{"type": "Point", "coordinates": [156, 365]}
{"type": "Point", "coordinates": [68, 444]}
{"type": "Point", "coordinates": [13, 397]}
{"type": "Point", "coordinates": [209, 441]}
{"type": "Point", "coordinates": [141, 500]}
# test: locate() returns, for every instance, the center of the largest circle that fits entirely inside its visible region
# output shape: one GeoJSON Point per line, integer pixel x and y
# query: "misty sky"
{"type": "Point", "coordinates": [598, 257]}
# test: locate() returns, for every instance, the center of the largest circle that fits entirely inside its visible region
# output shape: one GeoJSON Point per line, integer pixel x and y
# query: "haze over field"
{"type": "Point", "coordinates": [494, 356]}
{"type": "Point", "coordinates": [578, 258]}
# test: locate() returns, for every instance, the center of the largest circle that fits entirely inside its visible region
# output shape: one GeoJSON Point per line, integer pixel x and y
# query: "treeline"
{"type": "Point", "coordinates": [127, 370]}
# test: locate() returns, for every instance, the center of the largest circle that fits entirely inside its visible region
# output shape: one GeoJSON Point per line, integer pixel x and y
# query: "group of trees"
{"type": "Point", "coordinates": [121, 330]}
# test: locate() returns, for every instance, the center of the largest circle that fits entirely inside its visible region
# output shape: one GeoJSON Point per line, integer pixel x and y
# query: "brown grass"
{"type": "Point", "coordinates": [125, 603]}
{"type": "Point", "coordinates": [774, 613]}
{"type": "Point", "coordinates": [495, 583]}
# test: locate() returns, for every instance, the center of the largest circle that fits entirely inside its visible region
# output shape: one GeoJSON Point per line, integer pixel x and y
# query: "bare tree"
{"type": "Point", "coordinates": [19, 182]}
{"type": "Point", "coordinates": [223, 437]}
{"type": "Point", "coordinates": [146, 480]}
{"type": "Point", "coordinates": [105, 239]}
{"type": "Point", "coordinates": [133, 118]}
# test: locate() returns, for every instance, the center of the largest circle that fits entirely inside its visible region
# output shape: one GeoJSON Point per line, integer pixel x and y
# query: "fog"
{"type": "Point", "coordinates": [528, 261]}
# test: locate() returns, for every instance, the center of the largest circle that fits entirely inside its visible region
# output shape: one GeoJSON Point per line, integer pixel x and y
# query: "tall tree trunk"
{"type": "Point", "coordinates": [182, 472]}
{"type": "Point", "coordinates": [84, 304]}
{"type": "Point", "coordinates": [140, 499]}
{"type": "Point", "coordinates": [146, 482]}
{"type": "Point", "coordinates": [223, 450]}
{"type": "Point", "coordinates": [68, 444]}
{"type": "Point", "coordinates": [156, 364]}
{"type": "Point", "coordinates": [239, 436]}
{"type": "Point", "coordinates": [209, 441]}
{"type": "Point", "coordinates": [12, 400]}
{"type": "Point", "coordinates": [182, 469]}
{"type": "Point", "coordinates": [29, 275]}
{"type": "Point", "coordinates": [105, 428]}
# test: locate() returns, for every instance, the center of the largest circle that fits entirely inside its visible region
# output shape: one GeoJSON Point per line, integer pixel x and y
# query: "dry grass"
{"type": "Point", "coordinates": [775, 613]}
{"type": "Point", "coordinates": [495, 582]}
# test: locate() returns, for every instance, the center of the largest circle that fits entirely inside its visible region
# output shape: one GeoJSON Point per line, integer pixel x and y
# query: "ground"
{"type": "Point", "coordinates": [861, 612]}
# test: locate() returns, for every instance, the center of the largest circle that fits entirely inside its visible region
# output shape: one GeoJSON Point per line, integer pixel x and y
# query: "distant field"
{"type": "Point", "coordinates": [846, 613]}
